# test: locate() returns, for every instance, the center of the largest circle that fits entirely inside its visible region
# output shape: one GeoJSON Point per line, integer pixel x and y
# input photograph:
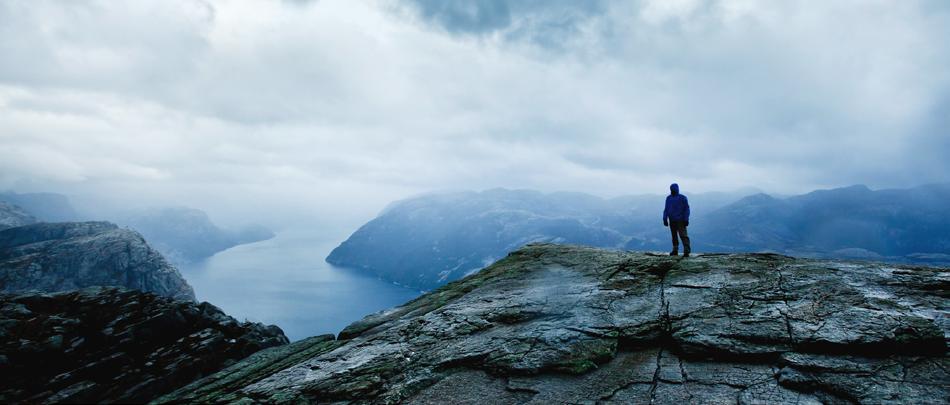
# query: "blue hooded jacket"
{"type": "Point", "coordinates": [677, 206]}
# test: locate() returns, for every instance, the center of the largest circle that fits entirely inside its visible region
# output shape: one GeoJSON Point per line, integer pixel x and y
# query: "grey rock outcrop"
{"type": "Point", "coordinates": [12, 216]}
{"type": "Point", "coordinates": [51, 257]}
{"type": "Point", "coordinates": [564, 324]}
{"type": "Point", "coordinates": [106, 344]}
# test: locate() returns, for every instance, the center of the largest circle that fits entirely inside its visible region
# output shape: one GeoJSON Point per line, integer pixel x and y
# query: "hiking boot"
{"type": "Point", "coordinates": [685, 254]}
{"type": "Point", "coordinates": [674, 252]}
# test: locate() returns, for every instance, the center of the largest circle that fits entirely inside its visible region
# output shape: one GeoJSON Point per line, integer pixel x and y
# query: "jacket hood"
{"type": "Point", "coordinates": [674, 189]}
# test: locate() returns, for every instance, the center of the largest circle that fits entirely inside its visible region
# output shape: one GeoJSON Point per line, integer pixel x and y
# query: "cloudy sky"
{"type": "Point", "coordinates": [336, 107]}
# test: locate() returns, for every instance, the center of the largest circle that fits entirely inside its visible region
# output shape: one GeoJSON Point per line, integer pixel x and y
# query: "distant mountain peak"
{"type": "Point", "coordinates": [757, 198]}
{"type": "Point", "coordinates": [856, 188]}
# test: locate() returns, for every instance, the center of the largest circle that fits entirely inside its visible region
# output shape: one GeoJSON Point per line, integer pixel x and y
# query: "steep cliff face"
{"type": "Point", "coordinates": [12, 216]}
{"type": "Point", "coordinates": [51, 257]}
{"type": "Point", "coordinates": [563, 324]}
{"type": "Point", "coordinates": [104, 344]}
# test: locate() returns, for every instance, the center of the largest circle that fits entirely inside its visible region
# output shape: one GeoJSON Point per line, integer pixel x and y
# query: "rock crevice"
{"type": "Point", "coordinates": [54, 257]}
{"type": "Point", "coordinates": [115, 345]}
{"type": "Point", "coordinates": [553, 323]}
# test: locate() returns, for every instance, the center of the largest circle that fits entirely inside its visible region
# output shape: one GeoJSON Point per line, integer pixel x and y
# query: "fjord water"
{"type": "Point", "coordinates": [285, 281]}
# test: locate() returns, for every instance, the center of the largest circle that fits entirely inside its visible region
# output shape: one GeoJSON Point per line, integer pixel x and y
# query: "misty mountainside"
{"type": "Point", "coordinates": [187, 234]}
{"type": "Point", "coordinates": [12, 216]}
{"type": "Point", "coordinates": [568, 324]}
{"type": "Point", "coordinates": [851, 221]}
{"type": "Point", "coordinates": [182, 234]}
{"type": "Point", "coordinates": [64, 256]}
{"type": "Point", "coordinates": [45, 207]}
{"type": "Point", "coordinates": [108, 344]}
{"type": "Point", "coordinates": [432, 239]}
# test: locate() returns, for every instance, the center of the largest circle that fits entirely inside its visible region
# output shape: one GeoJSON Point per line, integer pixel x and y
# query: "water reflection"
{"type": "Point", "coordinates": [285, 281]}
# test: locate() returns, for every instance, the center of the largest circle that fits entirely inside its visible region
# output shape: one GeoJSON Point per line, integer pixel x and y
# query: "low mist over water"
{"type": "Point", "coordinates": [285, 281]}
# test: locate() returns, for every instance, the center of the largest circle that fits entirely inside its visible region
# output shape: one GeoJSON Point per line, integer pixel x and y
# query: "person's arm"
{"type": "Point", "coordinates": [666, 212]}
{"type": "Point", "coordinates": [686, 208]}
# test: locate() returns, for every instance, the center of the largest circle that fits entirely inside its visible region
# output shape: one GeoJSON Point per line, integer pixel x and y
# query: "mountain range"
{"type": "Point", "coordinates": [185, 234]}
{"type": "Point", "coordinates": [47, 207]}
{"type": "Point", "coordinates": [181, 234]}
{"type": "Point", "coordinates": [545, 323]}
{"type": "Point", "coordinates": [432, 239]}
{"type": "Point", "coordinates": [883, 223]}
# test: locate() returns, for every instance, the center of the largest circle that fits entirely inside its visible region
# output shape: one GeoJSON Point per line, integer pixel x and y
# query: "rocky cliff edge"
{"type": "Point", "coordinates": [52, 257]}
{"type": "Point", "coordinates": [565, 324]}
{"type": "Point", "coordinates": [108, 344]}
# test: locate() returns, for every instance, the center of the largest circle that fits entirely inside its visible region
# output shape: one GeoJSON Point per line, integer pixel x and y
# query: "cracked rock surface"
{"type": "Point", "coordinates": [53, 257]}
{"type": "Point", "coordinates": [567, 324]}
{"type": "Point", "coordinates": [114, 345]}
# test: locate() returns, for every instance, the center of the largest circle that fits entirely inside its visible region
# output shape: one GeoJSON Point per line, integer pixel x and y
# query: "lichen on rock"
{"type": "Point", "coordinates": [553, 323]}
{"type": "Point", "coordinates": [107, 344]}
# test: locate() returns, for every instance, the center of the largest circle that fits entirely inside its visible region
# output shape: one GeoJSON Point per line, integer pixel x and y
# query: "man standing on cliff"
{"type": "Point", "coordinates": [676, 216]}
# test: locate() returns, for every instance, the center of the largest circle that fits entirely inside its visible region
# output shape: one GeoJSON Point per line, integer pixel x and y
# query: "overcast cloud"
{"type": "Point", "coordinates": [336, 107]}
